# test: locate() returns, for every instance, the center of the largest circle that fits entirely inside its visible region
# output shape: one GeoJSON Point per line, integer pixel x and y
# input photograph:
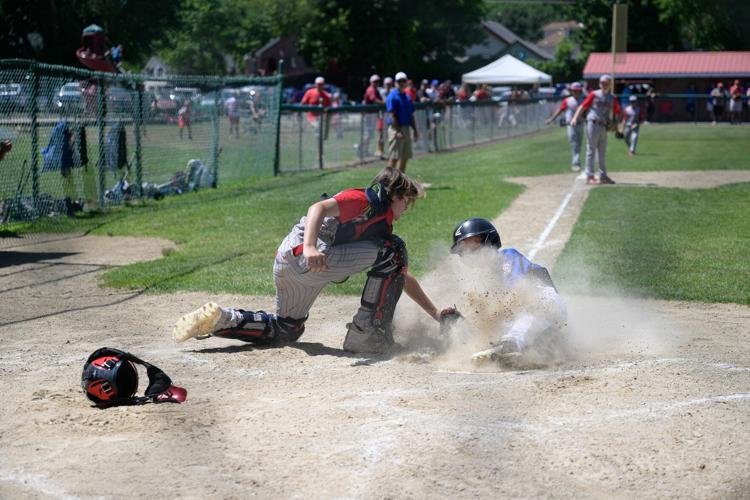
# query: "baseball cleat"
{"type": "Point", "coordinates": [590, 179]}
{"type": "Point", "coordinates": [374, 340]}
{"type": "Point", "coordinates": [575, 168]}
{"type": "Point", "coordinates": [197, 324]}
{"type": "Point", "coordinates": [605, 179]}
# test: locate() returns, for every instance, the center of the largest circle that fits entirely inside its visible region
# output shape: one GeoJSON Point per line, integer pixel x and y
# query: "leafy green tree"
{"type": "Point", "coordinates": [565, 66]}
{"type": "Point", "coordinates": [356, 38]}
{"type": "Point", "coordinates": [50, 30]}
{"type": "Point", "coordinates": [666, 25]}
{"type": "Point", "coordinates": [210, 31]}
{"type": "Point", "coordinates": [715, 25]}
{"type": "Point", "coordinates": [524, 19]}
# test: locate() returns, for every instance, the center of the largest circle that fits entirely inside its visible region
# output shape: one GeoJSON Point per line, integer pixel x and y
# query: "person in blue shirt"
{"type": "Point", "coordinates": [400, 120]}
{"type": "Point", "coordinates": [542, 314]}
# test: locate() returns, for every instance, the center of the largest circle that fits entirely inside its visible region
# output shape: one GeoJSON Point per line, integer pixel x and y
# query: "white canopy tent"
{"type": "Point", "coordinates": [504, 71]}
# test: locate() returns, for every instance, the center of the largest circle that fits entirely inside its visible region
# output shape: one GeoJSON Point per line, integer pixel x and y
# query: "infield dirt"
{"type": "Point", "coordinates": [654, 403]}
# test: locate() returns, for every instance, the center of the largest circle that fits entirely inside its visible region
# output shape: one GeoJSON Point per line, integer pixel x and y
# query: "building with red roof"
{"type": "Point", "coordinates": [671, 73]}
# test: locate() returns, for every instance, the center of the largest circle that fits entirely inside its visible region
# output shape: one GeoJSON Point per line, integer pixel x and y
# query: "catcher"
{"type": "Point", "coordinates": [345, 234]}
{"type": "Point", "coordinates": [541, 315]}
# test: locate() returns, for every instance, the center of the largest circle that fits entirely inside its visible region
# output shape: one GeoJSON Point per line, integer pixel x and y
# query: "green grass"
{"type": "Point", "coordinates": [663, 243]}
{"type": "Point", "coordinates": [227, 237]}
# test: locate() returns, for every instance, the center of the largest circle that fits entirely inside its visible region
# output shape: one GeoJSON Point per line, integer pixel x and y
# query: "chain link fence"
{"type": "Point", "coordinates": [315, 138]}
{"type": "Point", "coordinates": [83, 140]}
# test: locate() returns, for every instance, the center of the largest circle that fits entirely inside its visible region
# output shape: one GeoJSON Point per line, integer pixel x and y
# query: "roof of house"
{"type": "Point", "coordinates": [559, 25]}
{"type": "Point", "coordinates": [510, 38]}
{"type": "Point", "coordinates": [669, 64]}
{"type": "Point", "coordinates": [555, 33]}
{"type": "Point", "coordinates": [269, 44]}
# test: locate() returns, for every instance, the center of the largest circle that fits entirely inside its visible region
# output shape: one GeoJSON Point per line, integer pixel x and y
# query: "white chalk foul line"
{"type": "Point", "coordinates": [550, 226]}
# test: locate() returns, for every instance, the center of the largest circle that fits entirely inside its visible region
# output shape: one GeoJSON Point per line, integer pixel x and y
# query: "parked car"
{"type": "Point", "coordinates": [119, 100]}
{"type": "Point", "coordinates": [182, 94]}
{"type": "Point", "coordinates": [501, 93]}
{"type": "Point", "coordinates": [70, 97]}
{"type": "Point", "coordinates": [12, 97]}
{"type": "Point", "coordinates": [164, 102]}
{"type": "Point", "coordinates": [209, 99]}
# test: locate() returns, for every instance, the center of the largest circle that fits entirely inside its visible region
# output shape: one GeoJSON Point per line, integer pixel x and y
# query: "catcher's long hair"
{"type": "Point", "coordinates": [397, 183]}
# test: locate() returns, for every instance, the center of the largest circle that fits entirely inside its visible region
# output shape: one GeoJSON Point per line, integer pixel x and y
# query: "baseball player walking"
{"type": "Point", "coordinates": [345, 234]}
{"type": "Point", "coordinates": [603, 111]}
{"type": "Point", "coordinates": [632, 117]}
{"type": "Point", "coordinates": [575, 133]}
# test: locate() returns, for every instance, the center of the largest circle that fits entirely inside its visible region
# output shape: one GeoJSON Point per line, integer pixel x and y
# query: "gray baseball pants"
{"type": "Point", "coordinates": [575, 137]}
{"type": "Point", "coordinates": [597, 145]}
{"type": "Point", "coordinates": [631, 138]}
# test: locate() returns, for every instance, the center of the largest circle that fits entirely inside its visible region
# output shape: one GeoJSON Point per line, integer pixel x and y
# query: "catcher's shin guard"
{"type": "Point", "coordinates": [264, 328]}
{"type": "Point", "coordinates": [370, 330]}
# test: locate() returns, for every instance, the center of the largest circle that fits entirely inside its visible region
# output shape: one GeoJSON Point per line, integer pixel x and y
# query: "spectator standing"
{"type": "Point", "coordinates": [411, 91]}
{"type": "Point", "coordinates": [481, 93]}
{"type": "Point", "coordinates": [387, 87]}
{"type": "Point", "coordinates": [116, 54]}
{"type": "Point", "coordinates": [718, 100]}
{"type": "Point", "coordinates": [735, 103]}
{"type": "Point", "coordinates": [183, 119]}
{"type": "Point", "coordinates": [373, 121]}
{"type": "Point", "coordinates": [316, 96]}
{"type": "Point", "coordinates": [632, 118]}
{"type": "Point", "coordinates": [575, 133]}
{"type": "Point", "coordinates": [690, 104]}
{"type": "Point", "coordinates": [602, 108]}
{"type": "Point", "coordinates": [463, 93]}
{"type": "Point", "coordinates": [650, 104]}
{"type": "Point", "coordinates": [233, 114]}
{"type": "Point", "coordinates": [400, 124]}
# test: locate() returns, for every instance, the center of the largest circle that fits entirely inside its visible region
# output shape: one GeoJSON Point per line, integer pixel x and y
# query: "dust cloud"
{"type": "Point", "coordinates": [599, 324]}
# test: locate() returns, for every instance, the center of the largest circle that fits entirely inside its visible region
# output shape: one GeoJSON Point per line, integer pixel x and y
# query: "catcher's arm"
{"type": "Point", "coordinates": [415, 291]}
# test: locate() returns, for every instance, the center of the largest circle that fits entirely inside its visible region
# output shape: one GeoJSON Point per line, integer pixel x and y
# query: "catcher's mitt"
{"type": "Point", "coordinates": [619, 134]}
{"type": "Point", "coordinates": [448, 318]}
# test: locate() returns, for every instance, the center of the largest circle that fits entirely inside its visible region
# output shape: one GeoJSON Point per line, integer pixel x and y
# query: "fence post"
{"type": "Point", "coordinates": [34, 138]}
{"type": "Point", "coordinates": [491, 113]}
{"type": "Point", "coordinates": [137, 129]}
{"type": "Point", "coordinates": [277, 146]}
{"type": "Point", "coordinates": [101, 159]}
{"type": "Point", "coordinates": [299, 140]}
{"type": "Point", "coordinates": [473, 123]}
{"type": "Point", "coordinates": [321, 130]}
{"type": "Point", "coordinates": [452, 108]}
{"type": "Point", "coordinates": [215, 135]}
{"type": "Point", "coordinates": [360, 149]}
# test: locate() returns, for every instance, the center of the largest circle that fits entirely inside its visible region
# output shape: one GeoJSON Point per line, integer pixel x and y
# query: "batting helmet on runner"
{"type": "Point", "coordinates": [476, 227]}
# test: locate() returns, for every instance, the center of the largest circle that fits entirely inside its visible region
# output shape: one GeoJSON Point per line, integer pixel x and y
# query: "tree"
{"type": "Point", "coordinates": [564, 67]}
{"type": "Point", "coordinates": [209, 31]}
{"type": "Point", "coordinates": [355, 38]}
{"type": "Point", "coordinates": [525, 20]}
{"type": "Point", "coordinates": [50, 30]}
{"type": "Point", "coordinates": [666, 25]}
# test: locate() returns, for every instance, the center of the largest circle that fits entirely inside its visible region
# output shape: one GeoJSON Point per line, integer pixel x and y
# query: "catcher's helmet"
{"type": "Point", "coordinates": [476, 227]}
{"type": "Point", "coordinates": [108, 378]}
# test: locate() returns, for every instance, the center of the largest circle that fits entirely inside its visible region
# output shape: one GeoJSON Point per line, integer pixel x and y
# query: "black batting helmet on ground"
{"type": "Point", "coordinates": [476, 227]}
